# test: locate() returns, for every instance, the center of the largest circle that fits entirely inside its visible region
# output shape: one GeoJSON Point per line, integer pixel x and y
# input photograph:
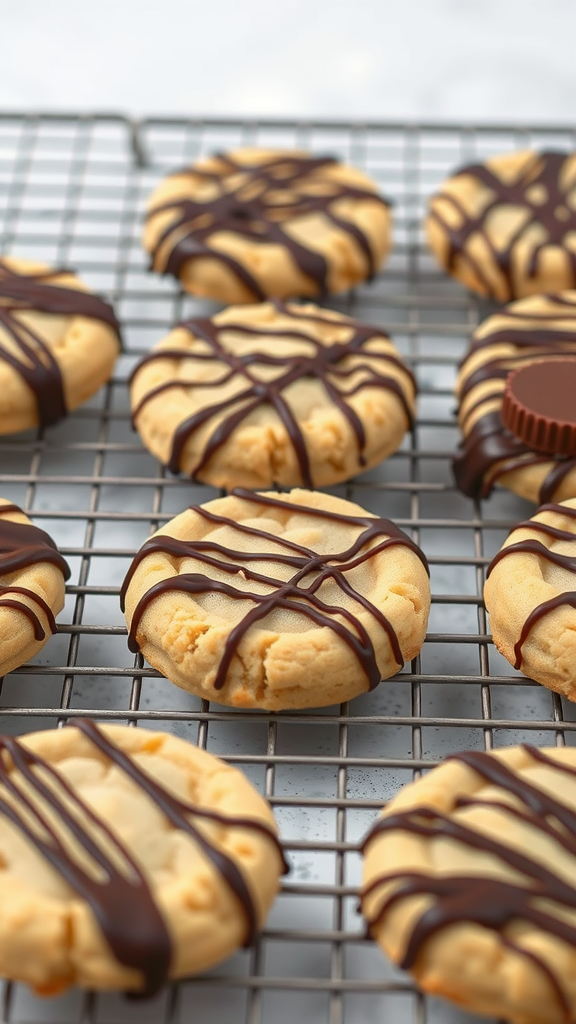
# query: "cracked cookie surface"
{"type": "Point", "coordinates": [255, 224]}
{"type": "Point", "coordinates": [127, 857]}
{"type": "Point", "coordinates": [273, 394]}
{"type": "Point", "coordinates": [277, 601]}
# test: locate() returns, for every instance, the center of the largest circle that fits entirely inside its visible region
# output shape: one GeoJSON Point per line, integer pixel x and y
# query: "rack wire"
{"type": "Point", "coordinates": [72, 192]}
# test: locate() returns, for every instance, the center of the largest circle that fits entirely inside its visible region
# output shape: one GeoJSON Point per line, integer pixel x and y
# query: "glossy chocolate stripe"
{"type": "Point", "coordinates": [492, 371]}
{"type": "Point", "coordinates": [564, 600]}
{"type": "Point", "coordinates": [178, 813]}
{"type": "Point", "coordinates": [481, 899]}
{"type": "Point", "coordinates": [122, 903]}
{"type": "Point", "coordinates": [163, 798]}
{"type": "Point", "coordinates": [545, 170]}
{"type": "Point", "coordinates": [322, 364]}
{"type": "Point", "coordinates": [487, 452]}
{"type": "Point", "coordinates": [29, 293]}
{"type": "Point", "coordinates": [244, 208]}
{"type": "Point", "coordinates": [551, 531]}
{"type": "Point", "coordinates": [564, 510]}
{"type": "Point", "coordinates": [559, 471]}
{"type": "Point", "coordinates": [22, 544]}
{"type": "Point", "coordinates": [9, 602]}
{"type": "Point", "coordinates": [524, 335]}
{"type": "Point", "coordinates": [535, 547]}
{"type": "Point", "coordinates": [33, 358]}
{"type": "Point", "coordinates": [309, 567]}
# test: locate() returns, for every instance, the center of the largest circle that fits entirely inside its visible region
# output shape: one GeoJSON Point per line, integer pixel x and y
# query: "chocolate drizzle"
{"type": "Point", "coordinates": [539, 192]}
{"type": "Point", "coordinates": [119, 897]}
{"type": "Point", "coordinates": [332, 365]}
{"type": "Point", "coordinates": [27, 352]}
{"type": "Point", "coordinates": [259, 202]}
{"type": "Point", "coordinates": [482, 899]}
{"type": "Point", "coordinates": [535, 547]}
{"type": "Point", "coordinates": [299, 594]}
{"type": "Point", "coordinates": [488, 450]}
{"type": "Point", "coordinates": [21, 545]}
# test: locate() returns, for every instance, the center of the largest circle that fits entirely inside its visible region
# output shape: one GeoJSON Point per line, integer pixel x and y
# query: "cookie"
{"type": "Point", "coordinates": [127, 857]}
{"type": "Point", "coordinates": [505, 228]}
{"type": "Point", "coordinates": [277, 601]}
{"type": "Point", "coordinates": [32, 575]}
{"type": "Point", "coordinates": [272, 394]}
{"type": "Point", "coordinates": [530, 593]}
{"type": "Point", "coordinates": [538, 329]}
{"type": "Point", "coordinates": [469, 883]}
{"type": "Point", "coordinates": [58, 344]}
{"type": "Point", "coordinates": [263, 223]}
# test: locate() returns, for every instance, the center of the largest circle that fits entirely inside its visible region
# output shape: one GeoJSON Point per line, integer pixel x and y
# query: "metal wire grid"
{"type": "Point", "coordinates": [72, 190]}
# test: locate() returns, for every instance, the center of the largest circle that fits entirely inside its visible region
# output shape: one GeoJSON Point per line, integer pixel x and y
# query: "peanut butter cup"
{"type": "Point", "coordinates": [540, 405]}
{"type": "Point", "coordinates": [518, 447]}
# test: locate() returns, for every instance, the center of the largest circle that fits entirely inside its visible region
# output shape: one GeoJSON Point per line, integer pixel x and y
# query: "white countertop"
{"type": "Point", "coordinates": [492, 60]}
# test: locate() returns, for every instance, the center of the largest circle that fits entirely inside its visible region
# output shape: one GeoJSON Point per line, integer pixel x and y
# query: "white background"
{"type": "Point", "coordinates": [488, 60]}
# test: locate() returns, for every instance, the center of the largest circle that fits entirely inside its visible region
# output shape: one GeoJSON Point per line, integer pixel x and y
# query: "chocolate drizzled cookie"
{"type": "Point", "coordinates": [530, 593]}
{"type": "Point", "coordinates": [88, 897]}
{"type": "Point", "coordinates": [255, 224]}
{"type": "Point", "coordinates": [32, 576]}
{"type": "Point", "coordinates": [262, 601]}
{"type": "Point", "coordinates": [58, 344]}
{"type": "Point", "coordinates": [468, 883]}
{"type": "Point", "coordinates": [541, 327]}
{"type": "Point", "coordinates": [507, 228]}
{"type": "Point", "coordinates": [273, 394]}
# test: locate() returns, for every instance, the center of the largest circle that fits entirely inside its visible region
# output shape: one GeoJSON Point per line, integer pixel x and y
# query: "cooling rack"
{"type": "Point", "coordinates": [72, 192]}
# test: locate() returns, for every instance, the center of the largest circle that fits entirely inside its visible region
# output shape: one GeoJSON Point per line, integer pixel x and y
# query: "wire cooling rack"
{"type": "Point", "coordinates": [72, 191]}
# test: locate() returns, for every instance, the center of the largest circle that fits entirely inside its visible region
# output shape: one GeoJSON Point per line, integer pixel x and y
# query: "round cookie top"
{"type": "Point", "coordinates": [537, 328]}
{"type": "Point", "coordinates": [257, 223]}
{"type": "Point", "coordinates": [273, 394]}
{"type": "Point", "coordinates": [58, 344]}
{"type": "Point", "coordinates": [530, 593]}
{"type": "Point", "coordinates": [506, 228]}
{"type": "Point", "coordinates": [277, 601]}
{"type": "Point", "coordinates": [469, 883]}
{"type": "Point", "coordinates": [127, 857]}
{"type": "Point", "coordinates": [32, 576]}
